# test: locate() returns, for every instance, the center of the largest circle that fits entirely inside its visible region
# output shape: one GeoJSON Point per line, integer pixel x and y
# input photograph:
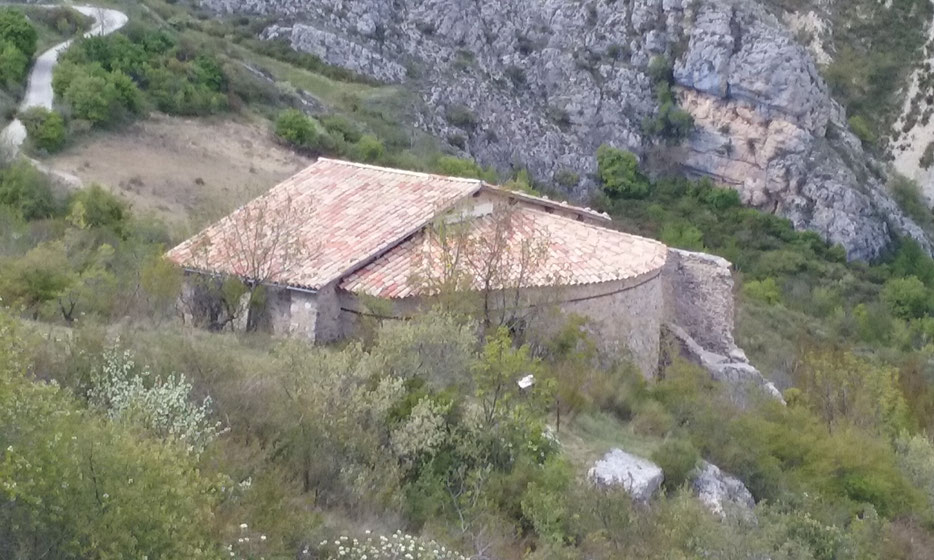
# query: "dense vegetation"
{"type": "Point", "coordinates": [420, 427]}
{"type": "Point", "coordinates": [125, 434]}
{"type": "Point", "coordinates": [17, 46]}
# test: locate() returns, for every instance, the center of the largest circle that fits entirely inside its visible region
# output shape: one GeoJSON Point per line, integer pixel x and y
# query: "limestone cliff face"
{"type": "Point", "coordinates": [542, 83]}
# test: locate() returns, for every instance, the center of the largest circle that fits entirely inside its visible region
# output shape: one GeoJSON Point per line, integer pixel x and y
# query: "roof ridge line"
{"type": "Point", "coordinates": [400, 171]}
{"type": "Point", "coordinates": [399, 240]}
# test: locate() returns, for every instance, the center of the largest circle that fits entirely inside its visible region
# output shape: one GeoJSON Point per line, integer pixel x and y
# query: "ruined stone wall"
{"type": "Point", "coordinates": [699, 315]}
{"type": "Point", "coordinates": [698, 293]}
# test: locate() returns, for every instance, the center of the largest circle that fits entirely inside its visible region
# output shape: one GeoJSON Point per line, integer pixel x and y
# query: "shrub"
{"type": "Point", "coordinates": [461, 116]}
{"type": "Point", "coordinates": [927, 158]}
{"type": "Point", "coordinates": [861, 129]}
{"type": "Point", "coordinates": [683, 236]}
{"type": "Point", "coordinates": [567, 178]}
{"type": "Point", "coordinates": [127, 392]}
{"type": "Point", "coordinates": [677, 457]}
{"type": "Point", "coordinates": [906, 298]}
{"type": "Point", "coordinates": [460, 167]}
{"type": "Point", "coordinates": [659, 70]}
{"type": "Point", "coordinates": [338, 125]}
{"type": "Point", "coordinates": [95, 207]}
{"type": "Point", "coordinates": [46, 128]}
{"type": "Point", "coordinates": [766, 291]}
{"type": "Point", "coordinates": [397, 546]}
{"type": "Point", "coordinates": [25, 189]}
{"type": "Point", "coordinates": [16, 31]}
{"type": "Point", "coordinates": [74, 485]}
{"type": "Point", "coordinates": [619, 172]}
{"type": "Point", "coordinates": [369, 148]}
{"type": "Point", "coordinates": [296, 128]}
{"type": "Point", "coordinates": [908, 195]}
{"type": "Point", "coordinates": [13, 64]}
{"type": "Point", "coordinates": [722, 199]}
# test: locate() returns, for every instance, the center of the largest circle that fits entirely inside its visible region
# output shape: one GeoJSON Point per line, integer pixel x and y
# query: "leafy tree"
{"type": "Point", "coordinates": [16, 30]}
{"type": "Point", "coordinates": [619, 172]}
{"type": "Point", "coordinates": [766, 291]}
{"type": "Point", "coordinates": [92, 98]}
{"type": "Point", "coordinates": [13, 64]}
{"type": "Point", "coordinates": [94, 207]}
{"type": "Point", "coordinates": [845, 390]}
{"type": "Point", "coordinates": [40, 276]}
{"type": "Point", "coordinates": [907, 298]}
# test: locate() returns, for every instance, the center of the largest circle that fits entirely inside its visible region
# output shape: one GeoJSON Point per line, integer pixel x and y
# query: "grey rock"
{"type": "Point", "coordinates": [720, 492]}
{"type": "Point", "coordinates": [766, 124]}
{"type": "Point", "coordinates": [640, 477]}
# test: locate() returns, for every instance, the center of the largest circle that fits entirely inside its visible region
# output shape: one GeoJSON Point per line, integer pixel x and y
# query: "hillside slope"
{"type": "Point", "coordinates": [541, 84]}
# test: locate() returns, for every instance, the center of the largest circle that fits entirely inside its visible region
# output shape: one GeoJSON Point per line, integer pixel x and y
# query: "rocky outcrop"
{"type": "Point", "coordinates": [721, 493]}
{"type": "Point", "coordinates": [640, 477]}
{"type": "Point", "coordinates": [542, 83]}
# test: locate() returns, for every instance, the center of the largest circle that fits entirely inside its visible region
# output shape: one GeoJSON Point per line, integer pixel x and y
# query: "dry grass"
{"type": "Point", "coordinates": [184, 171]}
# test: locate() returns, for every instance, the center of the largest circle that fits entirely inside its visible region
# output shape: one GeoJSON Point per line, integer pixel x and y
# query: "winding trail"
{"type": "Point", "coordinates": [39, 88]}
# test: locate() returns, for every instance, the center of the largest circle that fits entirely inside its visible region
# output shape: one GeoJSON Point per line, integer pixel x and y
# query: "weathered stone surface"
{"type": "Point", "coordinates": [699, 298]}
{"type": "Point", "coordinates": [640, 477]}
{"type": "Point", "coordinates": [743, 381]}
{"type": "Point", "coordinates": [720, 492]}
{"type": "Point", "coordinates": [549, 81]}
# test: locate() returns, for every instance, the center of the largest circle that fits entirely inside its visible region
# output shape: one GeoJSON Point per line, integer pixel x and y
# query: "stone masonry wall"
{"type": "Point", "coordinates": [699, 298]}
{"type": "Point", "coordinates": [625, 318]}
{"type": "Point", "coordinates": [303, 315]}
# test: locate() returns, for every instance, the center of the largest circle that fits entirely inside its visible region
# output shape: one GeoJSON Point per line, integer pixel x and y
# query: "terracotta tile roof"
{"type": "Point", "coordinates": [568, 252]}
{"type": "Point", "coordinates": [321, 223]}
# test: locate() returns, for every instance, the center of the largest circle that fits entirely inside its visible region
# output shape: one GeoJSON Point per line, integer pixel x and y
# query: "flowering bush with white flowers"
{"type": "Point", "coordinates": [125, 391]}
{"type": "Point", "coordinates": [397, 546]}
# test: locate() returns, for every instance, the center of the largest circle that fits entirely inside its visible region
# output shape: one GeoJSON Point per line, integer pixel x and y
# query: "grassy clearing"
{"type": "Point", "coordinates": [589, 436]}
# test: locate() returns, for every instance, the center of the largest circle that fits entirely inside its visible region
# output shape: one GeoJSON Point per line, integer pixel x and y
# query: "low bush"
{"type": "Point", "coordinates": [27, 191]}
{"type": "Point", "coordinates": [46, 129]}
{"type": "Point", "coordinates": [677, 457]}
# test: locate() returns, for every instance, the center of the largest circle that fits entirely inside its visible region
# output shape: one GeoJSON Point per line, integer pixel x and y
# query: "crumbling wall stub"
{"type": "Point", "coordinates": [699, 298]}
